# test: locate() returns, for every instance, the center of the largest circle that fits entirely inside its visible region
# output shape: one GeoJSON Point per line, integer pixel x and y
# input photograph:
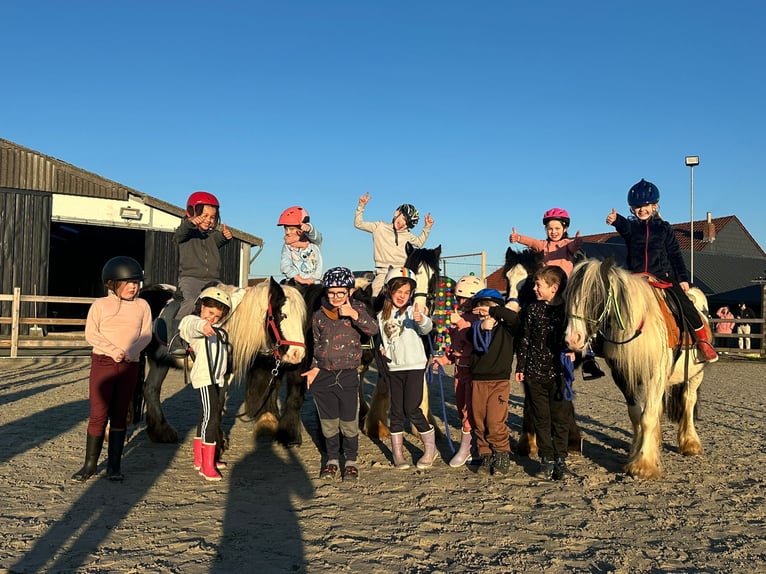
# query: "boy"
{"type": "Point", "coordinates": [491, 359]}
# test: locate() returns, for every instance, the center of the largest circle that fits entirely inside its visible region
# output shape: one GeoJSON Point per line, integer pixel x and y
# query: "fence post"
{"type": "Point", "coordinates": [15, 311]}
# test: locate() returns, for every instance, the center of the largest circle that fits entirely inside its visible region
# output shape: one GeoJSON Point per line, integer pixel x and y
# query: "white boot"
{"type": "Point", "coordinates": [429, 448]}
{"type": "Point", "coordinates": [463, 452]}
{"type": "Point", "coordinates": [397, 446]}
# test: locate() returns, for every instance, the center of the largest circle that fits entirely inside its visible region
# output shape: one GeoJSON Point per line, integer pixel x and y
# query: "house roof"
{"type": "Point", "coordinates": [24, 168]}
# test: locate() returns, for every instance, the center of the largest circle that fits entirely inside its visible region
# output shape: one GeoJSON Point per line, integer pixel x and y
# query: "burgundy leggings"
{"type": "Point", "coordinates": [111, 389]}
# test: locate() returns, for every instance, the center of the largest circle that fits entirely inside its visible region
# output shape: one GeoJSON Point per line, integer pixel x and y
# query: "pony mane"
{"type": "Point", "coordinates": [633, 307]}
{"type": "Point", "coordinates": [248, 334]}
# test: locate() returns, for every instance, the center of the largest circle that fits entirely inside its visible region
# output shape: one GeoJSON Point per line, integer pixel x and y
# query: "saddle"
{"type": "Point", "coordinates": [678, 333]}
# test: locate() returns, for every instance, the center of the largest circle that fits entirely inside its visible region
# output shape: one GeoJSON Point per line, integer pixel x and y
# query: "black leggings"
{"type": "Point", "coordinates": [688, 309]}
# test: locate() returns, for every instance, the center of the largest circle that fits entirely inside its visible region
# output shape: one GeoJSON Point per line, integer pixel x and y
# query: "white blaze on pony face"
{"type": "Point", "coordinates": [516, 277]}
{"type": "Point", "coordinates": [575, 335]}
{"type": "Point", "coordinates": [293, 324]}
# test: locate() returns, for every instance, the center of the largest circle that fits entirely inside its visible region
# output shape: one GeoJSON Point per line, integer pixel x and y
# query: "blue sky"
{"type": "Point", "coordinates": [484, 114]}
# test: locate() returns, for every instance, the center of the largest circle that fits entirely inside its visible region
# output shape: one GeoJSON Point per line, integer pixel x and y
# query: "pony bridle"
{"type": "Point", "coordinates": [610, 307]}
{"type": "Point", "coordinates": [280, 341]}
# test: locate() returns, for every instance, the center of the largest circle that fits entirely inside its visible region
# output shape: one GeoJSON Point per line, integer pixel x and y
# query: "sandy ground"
{"type": "Point", "coordinates": [272, 514]}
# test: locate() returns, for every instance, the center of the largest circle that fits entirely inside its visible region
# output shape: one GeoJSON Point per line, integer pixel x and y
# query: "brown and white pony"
{"type": "Point", "coordinates": [638, 343]}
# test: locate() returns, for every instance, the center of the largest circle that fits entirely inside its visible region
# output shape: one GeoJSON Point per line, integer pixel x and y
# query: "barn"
{"type": "Point", "coordinates": [60, 224]}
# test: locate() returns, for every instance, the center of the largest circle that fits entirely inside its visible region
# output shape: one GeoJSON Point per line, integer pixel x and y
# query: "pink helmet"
{"type": "Point", "coordinates": [556, 213]}
{"type": "Point", "coordinates": [294, 215]}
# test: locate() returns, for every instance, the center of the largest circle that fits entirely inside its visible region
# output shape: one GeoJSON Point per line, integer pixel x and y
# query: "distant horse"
{"type": "Point", "coordinates": [424, 263]}
{"type": "Point", "coordinates": [519, 268]}
{"type": "Point", "coordinates": [267, 335]}
{"type": "Point", "coordinates": [646, 353]}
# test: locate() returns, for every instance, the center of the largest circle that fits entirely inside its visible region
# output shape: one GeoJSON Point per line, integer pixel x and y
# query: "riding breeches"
{"type": "Point", "coordinates": [111, 386]}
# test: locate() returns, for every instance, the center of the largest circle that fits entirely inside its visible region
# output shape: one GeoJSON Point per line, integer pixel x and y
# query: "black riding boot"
{"type": "Point", "coordinates": [114, 454]}
{"type": "Point", "coordinates": [92, 452]}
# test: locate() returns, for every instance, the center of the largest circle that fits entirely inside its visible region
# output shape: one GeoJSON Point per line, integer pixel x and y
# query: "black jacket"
{"type": "Point", "coordinates": [495, 364]}
{"type": "Point", "coordinates": [652, 248]}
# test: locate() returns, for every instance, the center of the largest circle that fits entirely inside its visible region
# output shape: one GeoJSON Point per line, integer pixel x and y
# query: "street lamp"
{"type": "Point", "coordinates": [691, 161]}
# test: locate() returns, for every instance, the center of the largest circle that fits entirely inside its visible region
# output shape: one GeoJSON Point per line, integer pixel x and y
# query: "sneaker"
{"type": "Point", "coordinates": [485, 464]}
{"type": "Point", "coordinates": [329, 472]}
{"type": "Point", "coordinates": [351, 473]}
{"type": "Point", "coordinates": [559, 469]}
{"type": "Point", "coordinates": [546, 468]}
{"type": "Point", "coordinates": [501, 463]}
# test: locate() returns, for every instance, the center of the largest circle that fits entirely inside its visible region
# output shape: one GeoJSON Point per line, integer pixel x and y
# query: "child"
{"type": "Point", "coordinates": [301, 255]}
{"type": "Point", "coordinates": [211, 357]}
{"type": "Point", "coordinates": [491, 360]}
{"type": "Point", "coordinates": [199, 260]}
{"type": "Point", "coordinates": [459, 355]}
{"type": "Point", "coordinates": [539, 364]}
{"type": "Point", "coordinates": [389, 239]}
{"type": "Point", "coordinates": [401, 327]}
{"type": "Point", "coordinates": [558, 249]}
{"type": "Point", "coordinates": [653, 248]}
{"type": "Point", "coordinates": [118, 327]}
{"type": "Point", "coordinates": [724, 327]}
{"type": "Point", "coordinates": [199, 242]}
{"type": "Point", "coordinates": [338, 327]}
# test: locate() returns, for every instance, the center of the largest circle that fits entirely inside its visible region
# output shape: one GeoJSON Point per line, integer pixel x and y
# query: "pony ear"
{"type": "Point", "coordinates": [408, 248]}
{"type": "Point", "coordinates": [438, 251]}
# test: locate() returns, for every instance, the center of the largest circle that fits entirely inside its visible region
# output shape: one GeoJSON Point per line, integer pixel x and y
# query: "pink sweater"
{"type": "Point", "coordinates": [115, 325]}
{"type": "Point", "coordinates": [555, 252]}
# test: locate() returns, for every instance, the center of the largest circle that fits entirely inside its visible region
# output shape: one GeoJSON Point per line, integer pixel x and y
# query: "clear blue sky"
{"type": "Point", "coordinates": [484, 114]}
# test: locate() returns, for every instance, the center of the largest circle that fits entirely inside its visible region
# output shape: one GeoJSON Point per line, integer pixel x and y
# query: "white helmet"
{"type": "Point", "coordinates": [216, 294]}
{"type": "Point", "coordinates": [395, 272]}
{"type": "Point", "coordinates": [468, 286]}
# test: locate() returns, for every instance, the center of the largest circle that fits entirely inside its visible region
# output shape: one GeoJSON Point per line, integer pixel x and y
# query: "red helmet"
{"type": "Point", "coordinates": [198, 199]}
{"type": "Point", "coordinates": [556, 213]}
{"type": "Point", "coordinates": [294, 215]}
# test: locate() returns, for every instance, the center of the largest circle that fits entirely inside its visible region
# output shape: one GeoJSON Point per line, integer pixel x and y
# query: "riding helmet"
{"type": "Point", "coordinates": [122, 268]}
{"type": "Point", "coordinates": [489, 295]}
{"type": "Point", "coordinates": [643, 193]}
{"type": "Point", "coordinates": [338, 277]}
{"type": "Point", "coordinates": [294, 215]}
{"type": "Point", "coordinates": [558, 214]}
{"type": "Point", "coordinates": [215, 294]}
{"type": "Point", "coordinates": [468, 286]}
{"type": "Point", "coordinates": [395, 272]}
{"type": "Point", "coordinates": [411, 215]}
{"type": "Point", "coordinates": [200, 198]}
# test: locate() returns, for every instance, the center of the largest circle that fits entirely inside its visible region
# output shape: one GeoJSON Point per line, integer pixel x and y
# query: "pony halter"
{"type": "Point", "coordinates": [280, 341]}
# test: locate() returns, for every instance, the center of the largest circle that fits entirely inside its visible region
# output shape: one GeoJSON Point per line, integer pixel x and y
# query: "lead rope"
{"type": "Point", "coordinates": [429, 380]}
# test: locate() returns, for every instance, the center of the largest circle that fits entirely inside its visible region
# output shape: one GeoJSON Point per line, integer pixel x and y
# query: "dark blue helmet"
{"type": "Point", "coordinates": [489, 295]}
{"type": "Point", "coordinates": [643, 193]}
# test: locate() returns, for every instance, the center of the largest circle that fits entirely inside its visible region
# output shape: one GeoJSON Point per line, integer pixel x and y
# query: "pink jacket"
{"type": "Point", "coordinates": [558, 252]}
{"type": "Point", "coordinates": [724, 327]}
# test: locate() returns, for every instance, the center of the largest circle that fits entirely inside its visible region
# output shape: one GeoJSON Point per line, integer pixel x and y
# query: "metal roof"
{"type": "Point", "coordinates": [24, 168]}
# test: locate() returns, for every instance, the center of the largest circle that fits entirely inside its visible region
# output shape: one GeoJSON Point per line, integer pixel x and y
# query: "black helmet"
{"type": "Point", "coordinates": [122, 268]}
{"type": "Point", "coordinates": [643, 193]}
{"type": "Point", "coordinates": [411, 215]}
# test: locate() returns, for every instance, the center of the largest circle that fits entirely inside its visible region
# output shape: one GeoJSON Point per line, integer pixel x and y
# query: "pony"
{"type": "Point", "coordinates": [266, 333]}
{"type": "Point", "coordinates": [519, 267]}
{"type": "Point", "coordinates": [424, 263]}
{"type": "Point", "coordinates": [645, 350]}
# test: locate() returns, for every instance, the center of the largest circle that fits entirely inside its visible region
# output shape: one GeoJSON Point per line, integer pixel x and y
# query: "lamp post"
{"type": "Point", "coordinates": [691, 161]}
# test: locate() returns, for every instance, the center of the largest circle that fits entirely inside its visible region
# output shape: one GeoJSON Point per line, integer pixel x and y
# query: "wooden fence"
{"type": "Point", "coordinates": [59, 340]}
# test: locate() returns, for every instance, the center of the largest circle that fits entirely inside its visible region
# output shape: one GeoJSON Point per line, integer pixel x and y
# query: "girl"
{"type": "Point", "coordinates": [460, 355]}
{"type": "Point", "coordinates": [333, 378]}
{"type": "Point", "coordinates": [389, 239]}
{"type": "Point", "coordinates": [301, 256]}
{"type": "Point", "coordinates": [401, 327]}
{"type": "Point", "coordinates": [209, 347]}
{"type": "Point", "coordinates": [653, 249]}
{"type": "Point", "coordinates": [558, 249]}
{"type": "Point", "coordinates": [118, 327]}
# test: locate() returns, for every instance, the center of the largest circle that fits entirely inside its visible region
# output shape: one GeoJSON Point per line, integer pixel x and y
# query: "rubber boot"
{"type": "Point", "coordinates": [208, 470]}
{"type": "Point", "coordinates": [397, 448]}
{"type": "Point", "coordinates": [93, 447]}
{"type": "Point", "coordinates": [706, 350]}
{"type": "Point", "coordinates": [197, 453]}
{"type": "Point", "coordinates": [463, 452]}
{"type": "Point", "coordinates": [429, 449]}
{"type": "Point", "coordinates": [114, 455]}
